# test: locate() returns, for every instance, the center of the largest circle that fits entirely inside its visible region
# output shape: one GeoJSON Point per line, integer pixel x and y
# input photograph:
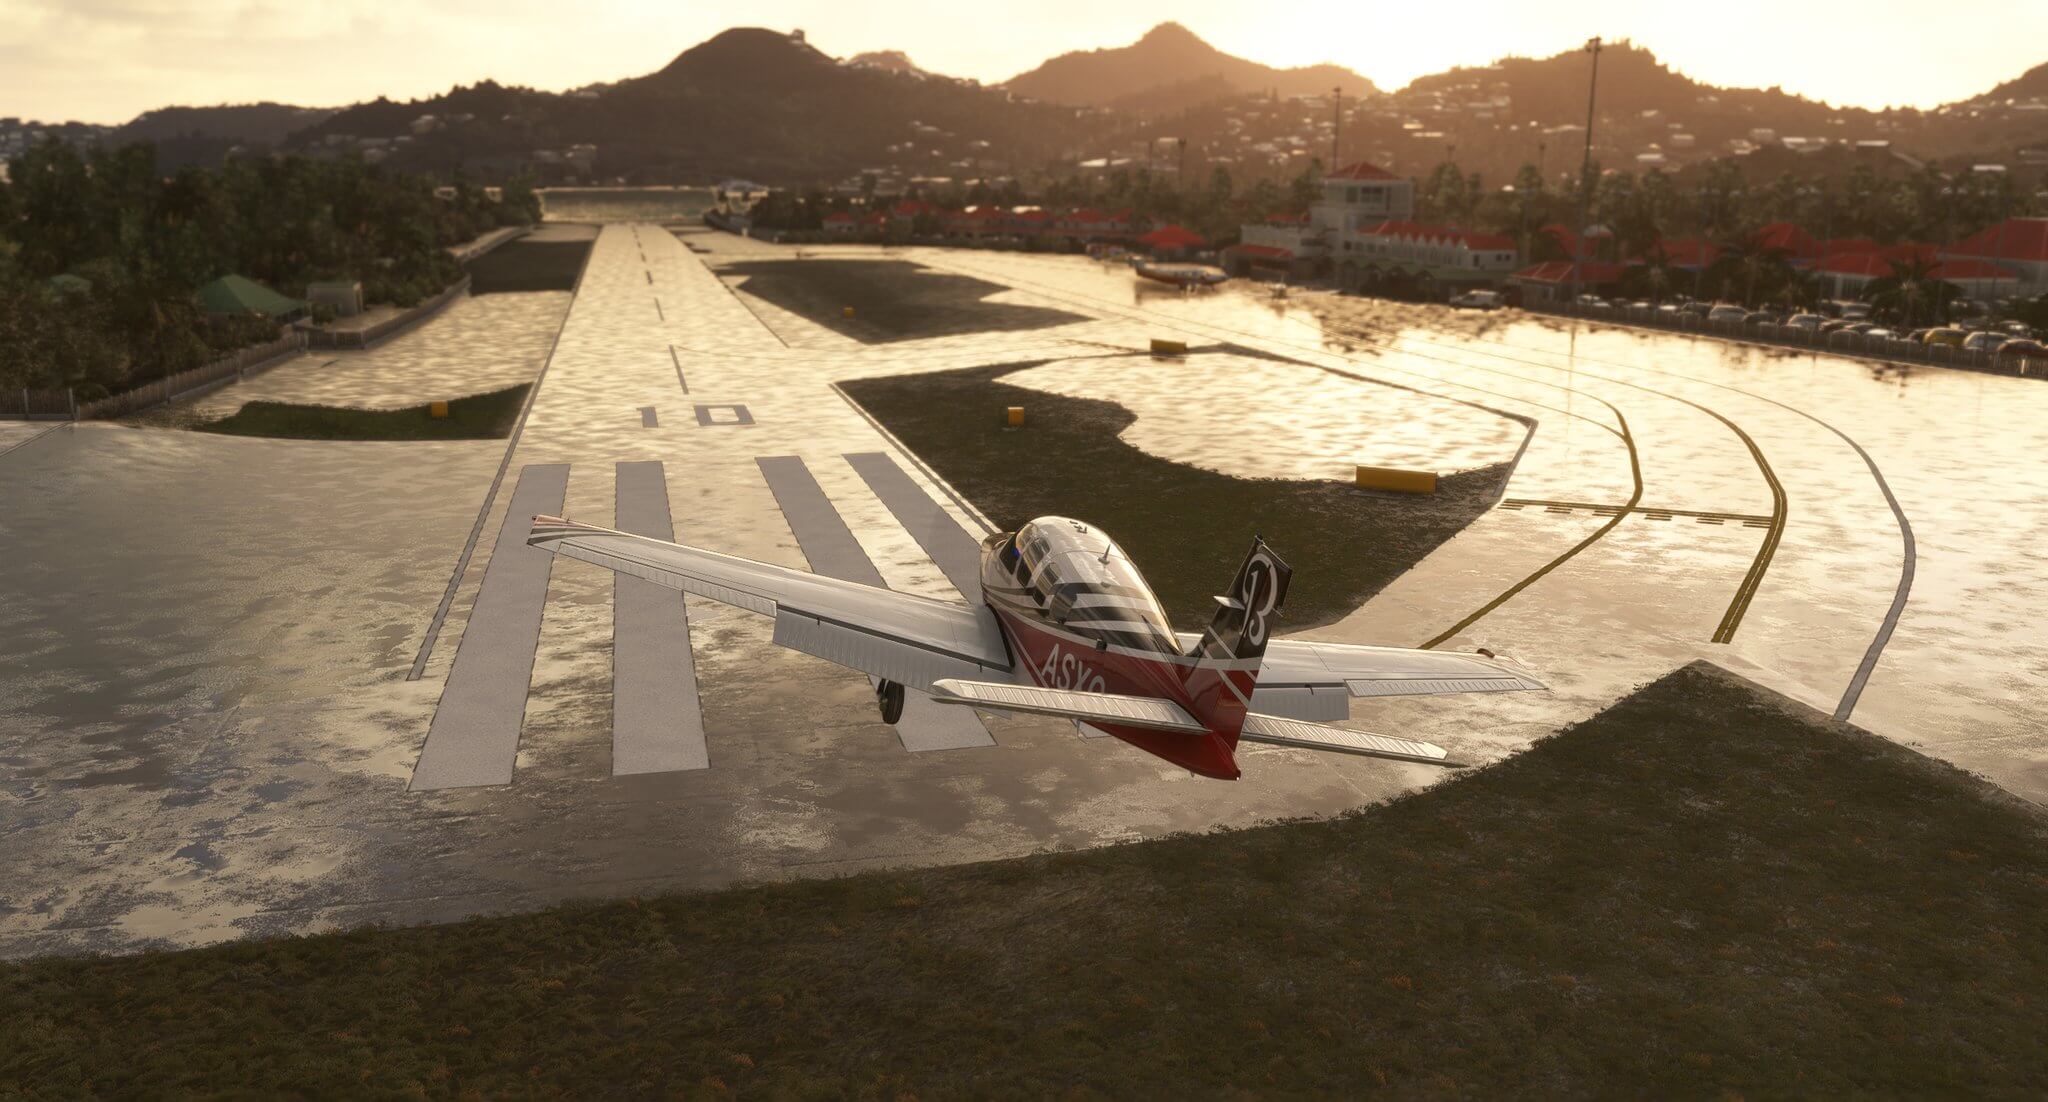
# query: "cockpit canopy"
{"type": "Point", "coordinates": [1083, 580]}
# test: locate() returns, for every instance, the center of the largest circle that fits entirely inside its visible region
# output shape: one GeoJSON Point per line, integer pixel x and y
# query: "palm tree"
{"type": "Point", "coordinates": [1654, 276]}
{"type": "Point", "coordinates": [1750, 262]}
{"type": "Point", "coordinates": [1911, 290]}
{"type": "Point", "coordinates": [1803, 288]}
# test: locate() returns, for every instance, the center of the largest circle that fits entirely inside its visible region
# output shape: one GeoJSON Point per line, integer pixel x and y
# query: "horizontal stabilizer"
{"type": "Point", "coordinates": [1314, 736]}
{"type": "Point", "coordinates": [1155, 713]}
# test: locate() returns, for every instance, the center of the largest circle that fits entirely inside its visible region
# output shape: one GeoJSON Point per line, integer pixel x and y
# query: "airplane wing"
{"type": "Point", "coordinates": [1151, 712]}
{"type": "Point", "coordinates": [897, 636]}
{"type": "Point", "coordinates": [1316, 681]}
{"type": "Point", "coordinates": [1282, 731]}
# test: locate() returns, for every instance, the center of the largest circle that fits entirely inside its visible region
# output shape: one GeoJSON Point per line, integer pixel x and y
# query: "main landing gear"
{"type": "Point", "coordinates": [889, 697]}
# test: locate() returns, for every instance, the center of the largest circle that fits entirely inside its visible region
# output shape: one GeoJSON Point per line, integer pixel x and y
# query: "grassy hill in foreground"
{"type": "Point", "coordinates": [1704, 890]}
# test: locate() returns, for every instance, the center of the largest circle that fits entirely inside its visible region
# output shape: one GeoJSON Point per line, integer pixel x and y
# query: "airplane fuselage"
{"type": "Point", "coordinates": [1077, 615]}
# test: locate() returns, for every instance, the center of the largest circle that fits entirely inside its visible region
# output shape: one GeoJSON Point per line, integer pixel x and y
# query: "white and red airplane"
{"type": "Point", "coordinates": [1067, 627]}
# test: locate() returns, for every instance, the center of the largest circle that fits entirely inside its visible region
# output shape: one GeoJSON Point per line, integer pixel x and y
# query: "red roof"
{"type": "Point", "coordinates": [1788, 237]}
{"type": "Point", "coordinates": [1566, 239]}
{"type": "Point", "coordinates": [1398, 228]}
{"type": "Point", "coordinates": [1172, 237]}
{"type": "Point", "coordinates": [1359, 170]}
{"type": "Point", "coordinates": [2012, 239]}
{"type": "Point", "coordinates": [838, 216]}
{"type": "Point", "coordinates": [1265, 252]}
{"type": "Point", "coordinates": [1973, 269]}
{"type": "Point", "coordinates": [1560, 272]}
{"type": "Point", "coordinates": [1689, 252]}
{"type": "Point", "coordinates": [911, 208]}
{"type": "Point", "coordinates": [1857, 264]}
{"type": "Point", "coordinates": [1835, 246]}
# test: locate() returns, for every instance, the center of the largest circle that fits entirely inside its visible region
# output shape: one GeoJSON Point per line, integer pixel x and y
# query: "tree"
{"type": "Point", "coordinates": [1910, 292]}
{"type": "Point", "coordinates": [1746, 263]}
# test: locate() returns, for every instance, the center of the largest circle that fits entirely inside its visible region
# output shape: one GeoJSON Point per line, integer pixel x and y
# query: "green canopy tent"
{"type": "Point", "coordinates": [240, 295]}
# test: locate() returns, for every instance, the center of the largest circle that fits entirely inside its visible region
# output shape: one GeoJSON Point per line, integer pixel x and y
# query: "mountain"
{"type": "Point", "coordinates": [894, 61]}
{"type": "Point", "coordinates": [203, 135]}
{"type": "Point", "coordinates": [748, 102]}
{"type": "Point", "coordinates": [1169, 69]}
{"type": "Point", "coordinates": [2032, 84]}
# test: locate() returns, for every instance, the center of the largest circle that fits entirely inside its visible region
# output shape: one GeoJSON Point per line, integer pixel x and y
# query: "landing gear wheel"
{"type": "Point", "coordinates": [889, 696]}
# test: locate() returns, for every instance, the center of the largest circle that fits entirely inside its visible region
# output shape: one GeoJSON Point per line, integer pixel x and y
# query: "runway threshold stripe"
{"type": "Point", "coordinates": [957, 553]}
{"type": "Point", "coordinates": [474, 737]}
{"type": "Point", "coordinates": [834, 552]}
{"type": "Point", "coordinates": [657, 722]}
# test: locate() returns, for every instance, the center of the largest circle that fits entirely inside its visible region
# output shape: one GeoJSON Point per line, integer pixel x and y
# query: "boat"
{"type": "Point", "coordinates": [1183, 275]}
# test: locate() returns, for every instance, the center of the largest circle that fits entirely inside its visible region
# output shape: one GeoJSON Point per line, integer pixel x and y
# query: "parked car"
{"type": "Point", "coordinates": [1881, 334]}
{"type": "Point", "coordinates": [1759, 317]}
{"type": "Point", "coordinates": [1479, 300]}
{"type": "Point", "coordinates": [1727, 312]}
{"type": "Point", "coordinates": [2022, 348]}
{"type": "Point", "coordinates": [1855, 310]}
{"type": "Point", "coordinates": [1985, 340]}
{"type": "Point", "coordinates": [1698, 309]}
{"type": "Point", "coordinates": [1669, 310]}
{"type": "Point", "coordinates": [1945, 335]}
{"type": "Point", "coordinates": [2016, 329]}
{"type": "Point", "coordinates": [1592, 300]}
{"type": "Point", "coordinates": [1805, 321]}
{"type": "Point", "coordinates": [1859, 326]}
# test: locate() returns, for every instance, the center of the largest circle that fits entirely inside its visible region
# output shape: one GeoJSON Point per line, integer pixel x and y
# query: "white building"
{"type": "Point", "coordinates": [1355, 197]}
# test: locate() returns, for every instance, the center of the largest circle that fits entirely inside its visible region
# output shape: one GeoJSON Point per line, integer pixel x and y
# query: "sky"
{"type": "Point", "coordinates": [108, 60]}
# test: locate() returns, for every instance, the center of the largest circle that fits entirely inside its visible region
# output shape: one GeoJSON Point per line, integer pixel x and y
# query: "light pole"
{"type": "Point", "coordinates": [1585, 169]}
{"type": "Point", "coordinates": [1336, 124]}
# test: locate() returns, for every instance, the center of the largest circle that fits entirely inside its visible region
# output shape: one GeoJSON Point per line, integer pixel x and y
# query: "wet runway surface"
{"type": "Point", "coordinates": [210, 727]}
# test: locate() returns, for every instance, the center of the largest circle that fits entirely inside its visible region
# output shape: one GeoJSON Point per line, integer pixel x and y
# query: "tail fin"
{"type": "Point", "coordinates": [1227, 659]}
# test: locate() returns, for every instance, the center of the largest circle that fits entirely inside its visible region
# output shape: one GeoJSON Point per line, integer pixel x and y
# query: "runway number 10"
{"type": "Point", "coordinates": [1062, 671]}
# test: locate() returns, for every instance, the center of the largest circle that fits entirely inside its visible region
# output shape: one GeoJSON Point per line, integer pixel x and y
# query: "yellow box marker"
{"type": "Point", "coordinates": [846, 311]}
{"type": "Point", "coordinates": [1397, 480]}
{"type": "Point", "coordinates": [1016, 416]}
{"type": "Point", "coordinates": [1163, 347]}
{"type": "Point", "coordinates": [437, 410]}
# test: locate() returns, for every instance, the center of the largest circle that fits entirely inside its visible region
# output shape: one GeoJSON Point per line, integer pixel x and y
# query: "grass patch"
{"type": "Point", "coordinates": [892, 300]}
{"type": "Point", "coordinates": [1187, 528]}
{"type": "Point", "coordinates": [477, 417]}
{"type": "Point", "coordinates": [1703, 891]}
{"type": "Point", "coordinates": [528, 266]}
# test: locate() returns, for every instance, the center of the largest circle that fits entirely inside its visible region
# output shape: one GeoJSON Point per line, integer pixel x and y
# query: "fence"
{"type": "Point", "coordinates": [36, 405]}
{"type": "Point", "coordinates": [391, 326]}
{"type": "Point", "coordinates": [220, 372]}
{"type": "Point", "coordinates": [1894, 349]}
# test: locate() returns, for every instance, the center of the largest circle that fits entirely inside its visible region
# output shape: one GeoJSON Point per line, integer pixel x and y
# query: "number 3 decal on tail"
{"type": "Point", "coordinates": [1261, 590]}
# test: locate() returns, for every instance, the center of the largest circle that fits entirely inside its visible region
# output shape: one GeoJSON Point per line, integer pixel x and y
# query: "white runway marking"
{"type": "Point", "coordinates": [474, 737]}
{"type": "Point", "coordinates": [833, 551]}
{"type": "Point", "coordinates": [657, 724]}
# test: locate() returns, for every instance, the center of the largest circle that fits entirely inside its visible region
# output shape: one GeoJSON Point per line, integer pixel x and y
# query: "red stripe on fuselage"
{"type": "Point", "coordinates": [1062, 660]}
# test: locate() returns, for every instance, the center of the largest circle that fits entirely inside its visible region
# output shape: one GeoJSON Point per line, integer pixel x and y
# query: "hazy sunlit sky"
{"type": "Point", "coordinates": [107, 60]}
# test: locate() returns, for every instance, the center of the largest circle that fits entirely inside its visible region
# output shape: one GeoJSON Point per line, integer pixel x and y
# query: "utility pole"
{"type": "Point", "coordinates": [1180, 171]}
{"type": "Point", "coordinates": [1336, 124]}
{"type": "Point", "coordinates": [1585, 170]}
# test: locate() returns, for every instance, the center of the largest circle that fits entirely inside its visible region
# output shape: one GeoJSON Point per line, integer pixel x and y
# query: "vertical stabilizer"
{"type": "Point", "coordinates": [1227, 659]}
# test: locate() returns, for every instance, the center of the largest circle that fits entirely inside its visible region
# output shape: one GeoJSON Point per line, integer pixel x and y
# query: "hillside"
{"type": "Point", "coordinates": [1170, 56]}
{"type": "Point", "coordinates": [748, 102]}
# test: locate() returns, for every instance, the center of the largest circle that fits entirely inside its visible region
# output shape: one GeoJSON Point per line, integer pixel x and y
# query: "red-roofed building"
{"type": "Point", "coordinates": [1402, 242]}
{"type": "Point", "coordinates": [1089, 224]}
{"type": "Point", "coordinates": [1979, 278]}
{"type": "Point", "coordinates": [1551, 281]}
{"type": "Point", "coordinates": [1171, 239]}
{"type": "Point", "coordinates": [841, 223]}
{"type": "Point", "coordinates": [1359, 170]}
{"type": "Point", "coordinates": [1689, 253]}
{"type": "Point", "coordinates": [2019, 244]}
{"type": "Point", "coordinates": [1788, 238]}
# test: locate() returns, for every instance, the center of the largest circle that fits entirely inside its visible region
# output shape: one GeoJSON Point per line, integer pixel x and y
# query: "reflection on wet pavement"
{"type": "Point", "coordinates": [206, 727]}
